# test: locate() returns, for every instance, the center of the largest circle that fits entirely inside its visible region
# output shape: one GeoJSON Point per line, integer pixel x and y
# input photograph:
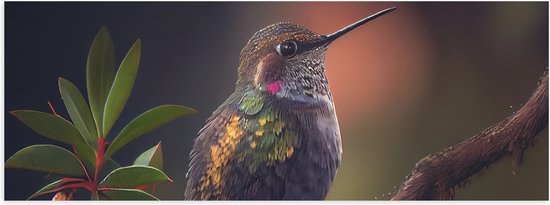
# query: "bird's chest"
{"type": "Point", "coordinates": [273, 136]}
{"type": "Point", "coordinates": [263, 143]}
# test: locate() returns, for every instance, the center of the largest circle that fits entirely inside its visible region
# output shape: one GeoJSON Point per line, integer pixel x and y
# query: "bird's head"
{"type": "Point", "coordinates": [287, 60]}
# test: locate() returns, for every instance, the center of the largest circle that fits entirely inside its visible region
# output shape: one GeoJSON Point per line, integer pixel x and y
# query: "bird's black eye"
{"type": "Point", "coordinates": [287, 49]}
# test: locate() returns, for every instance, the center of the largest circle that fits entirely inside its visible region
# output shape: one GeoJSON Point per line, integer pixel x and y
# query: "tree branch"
{"type": "Point", "coordinates": [439, 174]}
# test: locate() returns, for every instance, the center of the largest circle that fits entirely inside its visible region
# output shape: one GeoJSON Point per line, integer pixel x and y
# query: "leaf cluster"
{"type": "Point", "coordinates": [89, 165]}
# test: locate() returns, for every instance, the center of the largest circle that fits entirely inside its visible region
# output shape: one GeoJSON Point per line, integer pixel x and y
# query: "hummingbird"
{"type": "Point", "coordinates": [277, 136]}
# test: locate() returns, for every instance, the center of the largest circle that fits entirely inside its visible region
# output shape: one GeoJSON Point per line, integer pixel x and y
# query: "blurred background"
{"type": "Point", "coordinates": [415, 81]}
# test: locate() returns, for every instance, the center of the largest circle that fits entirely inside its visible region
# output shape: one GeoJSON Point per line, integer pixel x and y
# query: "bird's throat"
{"type": "Point", "coordinates": [274, 87]}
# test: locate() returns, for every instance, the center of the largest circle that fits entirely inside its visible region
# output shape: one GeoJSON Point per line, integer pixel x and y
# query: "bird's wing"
{"type": "Point", "coordinates": [200, 155]}
{"type": "Point", "coordinates": [235, 153]}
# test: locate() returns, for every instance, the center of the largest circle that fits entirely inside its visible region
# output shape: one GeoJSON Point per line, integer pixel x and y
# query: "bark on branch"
{"type": "Point", "coordinates": [439, 174]}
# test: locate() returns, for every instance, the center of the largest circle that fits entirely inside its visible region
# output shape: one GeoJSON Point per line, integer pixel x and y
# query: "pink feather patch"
{"type": "Point", "coordinates": [274, 87]}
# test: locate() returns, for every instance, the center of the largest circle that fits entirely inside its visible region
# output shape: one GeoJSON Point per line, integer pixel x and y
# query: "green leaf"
{"type": "Point", "coordinates": [151, 157]}
{"type": "Point", "coordinates": [78, 111]}
{"type": "Point", "coordinates": [58, 129]}
{"type": "Point", "coordinates": [46, 158]}
{"type": "Point", "coordinates": [146, 122]}
{"type": "Point", "coordinates": [128, 194]}
{"type": "Point", "coordinates": [100, 72]}
{"type": "Point", "coordinates": [48, 125]}
{"type": "Point", "coordinates": [133, 176]}
{"type": "Point", "coordinates": [122, 87]}
{"type": "Point", "coordinates": [108, 167]}
{"type": "Point", "coordinates": [52, 186]}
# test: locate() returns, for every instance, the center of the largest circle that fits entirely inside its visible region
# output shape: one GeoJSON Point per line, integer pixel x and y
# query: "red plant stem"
{"type": "Point", "coordinates": [88, 185]}
{"type": "Point", "coordinates": [83, 166]}
{"type": "Point", "coordinates": [105, 189]}
{"type": "Point", "coordinates": [51, 107]}
{"type": "Point", "coordinates": [99, 157]}
{"type": "Point", "coordinates": [68, 179]}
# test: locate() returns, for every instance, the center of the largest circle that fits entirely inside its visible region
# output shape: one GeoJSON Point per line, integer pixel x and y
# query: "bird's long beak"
{"type": "Point", "coordinates": [327, 39]}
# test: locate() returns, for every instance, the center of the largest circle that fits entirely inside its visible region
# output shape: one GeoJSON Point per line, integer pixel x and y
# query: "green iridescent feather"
{"type": "Point", "coordinates": [267, 141]}
{"type": "Point", "coordinates": [251, 103]}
